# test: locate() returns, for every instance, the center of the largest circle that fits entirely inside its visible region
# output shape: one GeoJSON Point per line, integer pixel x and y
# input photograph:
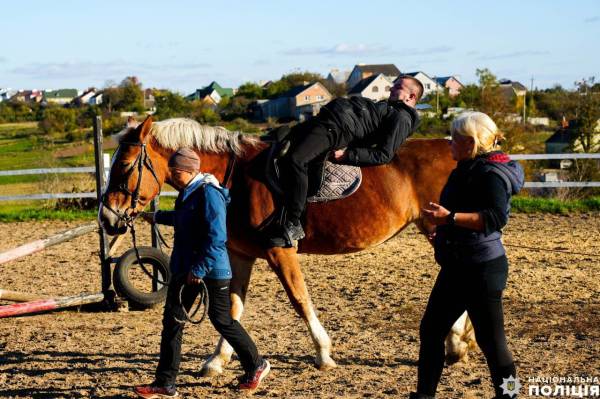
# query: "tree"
{"type": "Point", "coordinates": [251, 91]}
{"type": "Point", "coordinates": [133, 95]}
{"type": "Point", "coordinates": [588, 114]}
{"type": "Point", "coordinates": [170, 105]}
{"type": "Point", "coordinates": [492, 101]}
{"type": "Point", "coordinates": [58, 120]}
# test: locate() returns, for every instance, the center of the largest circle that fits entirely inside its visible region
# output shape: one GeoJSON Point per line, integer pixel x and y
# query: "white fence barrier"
{"type": "Point", "coordinates": [91, 169]}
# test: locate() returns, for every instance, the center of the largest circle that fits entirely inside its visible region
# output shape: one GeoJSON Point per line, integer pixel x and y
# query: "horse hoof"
{"type": "Point", "coordinates": [210, 371]}
{"type": "Point", "coordinates": [325, 364]}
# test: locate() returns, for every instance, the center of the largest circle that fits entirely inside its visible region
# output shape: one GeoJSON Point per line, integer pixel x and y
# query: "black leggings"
{"type": "Point", "coordinates": [219, 312]}
{"type": "Point", "coordinates": [459, 288]}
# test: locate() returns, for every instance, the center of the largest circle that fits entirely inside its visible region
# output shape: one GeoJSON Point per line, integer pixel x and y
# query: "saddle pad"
{"type": "Point", "coordinates": [339, 181]}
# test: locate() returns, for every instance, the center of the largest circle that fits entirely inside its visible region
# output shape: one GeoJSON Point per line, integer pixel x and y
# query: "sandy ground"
{"type": "Point", "coordinates": [370, 303]}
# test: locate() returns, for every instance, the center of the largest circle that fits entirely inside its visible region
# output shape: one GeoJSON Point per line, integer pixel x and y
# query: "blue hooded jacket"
{"type": "Point", "coordinates": [199, 220]}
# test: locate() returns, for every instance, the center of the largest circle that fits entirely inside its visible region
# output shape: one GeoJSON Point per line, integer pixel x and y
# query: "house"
{"type": "Point", "coordinates": [61, 96]}
{"type": "Point", "coordinates": [565, 139]}
{"type": "Point", "coordinates": [512, 89]}
{"type": "Point", "coordinates": [28, 96]}
{"type": "Point", "coordinates": [362, 71]}
{"type": "Point", "coordinates": [429, 84]}
{"type": "Point", "coordinates": [451, 83]}
{"type": "Point", "coordinates": [6, 94]}
{"type": "Point", "coordinates": [300, 102]}
{"type": "Point", "coordinates": [85, 97]}
{"type": "Point", "coordinates": [211, 94]}
{"type": "Point", "coordinates": [96, 99]}
{"type": "Point", "coordinates": [336, 76]}
{"type": "Point", "coordinates": [375, 87]}
{"type": "Point", "coordinates": [149, 101]}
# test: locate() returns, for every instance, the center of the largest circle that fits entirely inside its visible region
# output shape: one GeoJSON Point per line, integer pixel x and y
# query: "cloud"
{"type": "Point", "coordinates": [514, 54]}
{"type": "Point", "coordinates": [339, 49]}
{"type": "Point", "coordinates": [591, 20]}
{"type": "Point", "coordinates": [104, 70]}
{"type": "Point", "coordinates": [345, 49]}
{"type": "Point", "coordinates": [3, 60]}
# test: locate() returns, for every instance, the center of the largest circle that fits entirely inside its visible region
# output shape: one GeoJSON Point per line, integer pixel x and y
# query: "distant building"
{"type": "Point", "coordinates": [512, 89]}
{"type": "Point", "coordinates": [211, 94]}
{"type": "Point", "coordinates": [85, 97]}
{"type": "Point", "coordinates": [300, 102]}
{"type": "Point", "coordinates": [429, 84]}
{"type": "Point", "coordinates": [565, 139]}
{"type": "Point", "coordinates": [376, 87]}
{"type": "Point", "coordinates": [336, 76]}
{"type": "Point", "coordinates": [149, 101]}
{"type": "Point", "coordinates": [28, 96]}
{"type": "Point", "coordinates": [6, 94]}
{"type": "Point", "coordinates": [362, 71]}
{"type": "Point", "coordinates": [96, 99]}
{"type": "Point", "coordinates": [61, 96]}
{"type": "Point", "coordinates": [451, 83]}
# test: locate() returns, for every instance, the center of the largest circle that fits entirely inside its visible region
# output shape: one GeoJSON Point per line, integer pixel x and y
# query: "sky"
{"type": "Point", "coordinates": [184, 45]}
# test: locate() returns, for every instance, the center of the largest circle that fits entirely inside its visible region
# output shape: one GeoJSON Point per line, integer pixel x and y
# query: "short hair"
{"type": "Point", "coordinates": [416, 83]}
{"type": "Point", "coordinates": [481, 128]}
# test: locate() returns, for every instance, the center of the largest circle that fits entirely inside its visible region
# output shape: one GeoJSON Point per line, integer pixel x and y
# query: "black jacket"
{"type": "Point", "coordinates": [485, 185]}
{"type": "Point", "coordinates": [372, 131]}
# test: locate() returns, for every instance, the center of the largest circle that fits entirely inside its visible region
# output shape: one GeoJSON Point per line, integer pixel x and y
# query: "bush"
{"type": "Point", "coordinates": [58, 120]}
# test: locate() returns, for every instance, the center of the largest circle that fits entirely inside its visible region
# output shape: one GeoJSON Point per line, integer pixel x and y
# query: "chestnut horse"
{"type": "Point", "coordinates": [391, 196]}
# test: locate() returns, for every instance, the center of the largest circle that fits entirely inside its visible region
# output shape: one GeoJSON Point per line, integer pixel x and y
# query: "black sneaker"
{"type": "Point", "coordinates": [293, 230]}
{"type": "Point", "coordinates": [283, 235]}
{"type": "Point", "coordinates": [156, 391]}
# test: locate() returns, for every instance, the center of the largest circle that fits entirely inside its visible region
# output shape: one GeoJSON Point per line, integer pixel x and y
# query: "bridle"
{"type": "Point", "coordinates": [142, 160]}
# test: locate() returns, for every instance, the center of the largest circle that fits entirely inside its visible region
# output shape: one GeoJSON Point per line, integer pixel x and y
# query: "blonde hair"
{"type": "Point", "coordinates": [481, 128]}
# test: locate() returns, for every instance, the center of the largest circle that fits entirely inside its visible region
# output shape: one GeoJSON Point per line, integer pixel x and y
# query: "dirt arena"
{"type": "Point", "coordinates": [369, 302]}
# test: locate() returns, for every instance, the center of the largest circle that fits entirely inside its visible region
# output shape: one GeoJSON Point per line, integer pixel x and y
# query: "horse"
{"type": "Point", "coordinates": [390, 197]}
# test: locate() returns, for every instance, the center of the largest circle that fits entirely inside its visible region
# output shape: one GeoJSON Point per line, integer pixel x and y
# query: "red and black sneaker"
{"type": "Point", "coordinates": [155, 391]}
{"type": "Point", "coordinates": [251, 381]}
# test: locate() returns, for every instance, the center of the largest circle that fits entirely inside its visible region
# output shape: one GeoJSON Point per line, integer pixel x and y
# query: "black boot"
{"type": "Point", "coordinates": [501, 374]}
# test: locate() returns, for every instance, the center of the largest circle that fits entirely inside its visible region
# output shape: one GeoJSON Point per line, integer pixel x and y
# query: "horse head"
{"type": "Point", "coordinates": [137, 173]}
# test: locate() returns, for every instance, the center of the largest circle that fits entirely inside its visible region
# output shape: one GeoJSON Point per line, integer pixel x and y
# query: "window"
{"type": "Point", "coordinates": [375, 89]}
{"type": "Point", "coordinates": [306, 98]}
{"type": "Point", "coordinates": [427, 86]}
{"type": "Point", "coordinates": [387, 88]}
{"type": "Point", "coordinates": [319, 97]}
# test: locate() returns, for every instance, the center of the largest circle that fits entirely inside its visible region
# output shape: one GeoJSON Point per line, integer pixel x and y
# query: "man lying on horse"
{"type": "Point", "coordinates": [359, 132]}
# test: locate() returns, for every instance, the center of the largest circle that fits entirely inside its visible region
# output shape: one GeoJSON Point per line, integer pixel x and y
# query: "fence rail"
{"type": "Point", "coordinates": [91, 169]}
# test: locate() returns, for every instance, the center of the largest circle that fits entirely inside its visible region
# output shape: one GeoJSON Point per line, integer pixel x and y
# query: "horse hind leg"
{"type": "Point", "coordinates": [284, 261]}
{"type": "Point", "coordinates": [241, 268]}
{"type": "Point", "coordinates": [460, 340]}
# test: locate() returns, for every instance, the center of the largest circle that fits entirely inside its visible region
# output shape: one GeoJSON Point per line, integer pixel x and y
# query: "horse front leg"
{"type": "Point", "coordinates": [284, 261]}
{"type": "Point", "coordinates": [241, 268]}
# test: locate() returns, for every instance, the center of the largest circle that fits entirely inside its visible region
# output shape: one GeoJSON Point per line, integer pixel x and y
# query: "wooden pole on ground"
{"type": "Point", "coordinates": [48, 304]}
{"type": "Point", "coordinates": [14, 296]}
{"type": "Point", "coordinates": [38, 245]}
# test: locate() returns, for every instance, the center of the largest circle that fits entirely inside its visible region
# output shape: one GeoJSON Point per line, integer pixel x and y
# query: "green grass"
{"type": "Point", "coordinates": [43, 211]}
{"type": "Point", "coordinates": [551, 205]}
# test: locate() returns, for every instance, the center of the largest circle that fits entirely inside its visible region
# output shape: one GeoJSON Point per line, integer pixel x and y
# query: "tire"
{"type": "Point", "coordinates": [152, 258]}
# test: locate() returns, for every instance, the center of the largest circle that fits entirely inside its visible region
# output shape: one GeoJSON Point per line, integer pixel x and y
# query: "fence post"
{"type": "Point", "coordinates": [107, 288]}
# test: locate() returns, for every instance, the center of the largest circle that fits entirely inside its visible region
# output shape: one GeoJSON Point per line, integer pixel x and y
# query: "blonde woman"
{"type": "Point", "coordinates": [474, 206]}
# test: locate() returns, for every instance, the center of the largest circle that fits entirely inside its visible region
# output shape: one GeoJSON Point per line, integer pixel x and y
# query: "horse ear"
{"type": "Point", "coordinates": [145, 128]}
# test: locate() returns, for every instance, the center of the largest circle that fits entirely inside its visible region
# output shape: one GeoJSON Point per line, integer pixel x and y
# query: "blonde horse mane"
{"type": "Point", "coordinates": [179, 133]}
